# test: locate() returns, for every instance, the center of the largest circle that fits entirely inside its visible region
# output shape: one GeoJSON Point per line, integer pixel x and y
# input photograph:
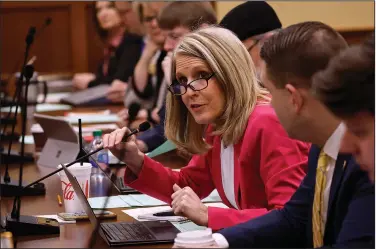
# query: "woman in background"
{"type": "Point", "coordinates": [246, 154]}
{"type": "Point", "coordinates": [121, 53]}
{"type": "Point", "coordinates": [148, 74]}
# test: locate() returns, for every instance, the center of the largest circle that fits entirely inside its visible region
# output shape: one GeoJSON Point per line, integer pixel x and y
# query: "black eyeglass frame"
{"type": "Point", "coordinates": [176, 83]}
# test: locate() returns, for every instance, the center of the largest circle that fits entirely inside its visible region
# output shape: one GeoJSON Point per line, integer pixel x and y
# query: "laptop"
{"type": "Point", "coordinates": [125, 233]}
{"type": "Point", "coordinates": [92, 96]}
{"type": "Point", "coordinates": [62, 141]}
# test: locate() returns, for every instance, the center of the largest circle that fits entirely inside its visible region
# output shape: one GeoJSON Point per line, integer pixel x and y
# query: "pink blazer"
{"type": "Point", "coordinates": [269, 167]}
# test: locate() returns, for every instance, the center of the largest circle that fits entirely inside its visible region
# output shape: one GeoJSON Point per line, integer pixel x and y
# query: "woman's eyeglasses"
{"type": "Point", "coordinates": [199, 84]}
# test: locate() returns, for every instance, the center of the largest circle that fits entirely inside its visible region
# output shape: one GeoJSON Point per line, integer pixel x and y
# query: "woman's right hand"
{"type": "Point", "coordinates": [128, 152]}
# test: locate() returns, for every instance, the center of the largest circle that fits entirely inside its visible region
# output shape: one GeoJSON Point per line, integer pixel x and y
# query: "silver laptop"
{"type": "Point", "coordinates": [125, 233]}
{"type": "Point", "coordinates": [62, 141]}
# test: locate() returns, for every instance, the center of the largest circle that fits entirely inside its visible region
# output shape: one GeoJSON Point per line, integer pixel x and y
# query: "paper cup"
{"type": "Point", "coordinates": [195, 239]}
{"type": "Point", "coordinates": [82, 173]}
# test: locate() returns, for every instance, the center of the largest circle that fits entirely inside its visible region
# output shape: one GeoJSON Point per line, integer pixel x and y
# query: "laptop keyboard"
{"type": "Point", "coordinates": [127, 231]}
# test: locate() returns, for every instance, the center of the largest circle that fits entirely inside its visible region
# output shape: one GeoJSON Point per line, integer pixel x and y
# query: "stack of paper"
{"type": "Point", "coordinates": [46, 107]}
{"type": "Point", "coordinates": [53, 97]}
{"type": "Point", "coordinates": [93, 118]}
{"type": "Point", "coordinates": [140, 200]}
{"type": "Point", "coordinates": [183, 226]}
{"type": "Point", "coordinates": [113, 202]}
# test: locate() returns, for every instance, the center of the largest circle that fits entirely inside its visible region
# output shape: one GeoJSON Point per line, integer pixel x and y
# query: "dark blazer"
{"type": "Point", "coordinates": [155, 137]}
{"type": "Point", "coordinates": [122, 61]}
{"type": "Point", "coordinates": [351, 213]}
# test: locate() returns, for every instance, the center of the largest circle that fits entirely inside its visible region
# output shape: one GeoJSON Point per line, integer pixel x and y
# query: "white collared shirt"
{"type": "Point", "coordinates": [227, 172]}
{"type": "Point", "coordinates": [331, 148]}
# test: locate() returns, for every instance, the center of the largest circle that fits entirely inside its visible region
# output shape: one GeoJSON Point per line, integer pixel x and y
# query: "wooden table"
{"type": "Point", "coordinates": [71, 235]}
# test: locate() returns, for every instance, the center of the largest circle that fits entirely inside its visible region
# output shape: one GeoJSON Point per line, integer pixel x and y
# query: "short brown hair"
{"type": "Point", "coordinates": [299, 51]}
{"type": "Point", "coordinates": [347, 85]}
{"type": "Point", "coordinates": [187, 14]}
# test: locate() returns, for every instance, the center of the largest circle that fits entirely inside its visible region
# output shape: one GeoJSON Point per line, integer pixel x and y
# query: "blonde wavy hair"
{"type": "Point", "coordinates": [234, 70]}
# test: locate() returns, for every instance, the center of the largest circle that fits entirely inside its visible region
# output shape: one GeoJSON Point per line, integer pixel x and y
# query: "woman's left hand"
{"type": "Point", "coordinates": [186, 203]}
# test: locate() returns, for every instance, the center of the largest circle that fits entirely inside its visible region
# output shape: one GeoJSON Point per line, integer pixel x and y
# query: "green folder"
{"type": "Point", "coordinates": [164, 148]}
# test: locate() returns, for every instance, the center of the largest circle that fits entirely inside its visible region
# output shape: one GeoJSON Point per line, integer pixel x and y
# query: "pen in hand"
{"type": "Point", "coordinates": [59, 200]}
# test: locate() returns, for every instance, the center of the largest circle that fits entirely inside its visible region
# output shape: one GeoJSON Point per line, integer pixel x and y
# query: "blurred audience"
{"type": "Point", "coordinates": [148, 74]}
{"type": "Point", "coordinates": [347, 87]}
{"type": "Point", "coordinates": [121, 53]}
{"type": "Point", "coordinates": [176, 20]}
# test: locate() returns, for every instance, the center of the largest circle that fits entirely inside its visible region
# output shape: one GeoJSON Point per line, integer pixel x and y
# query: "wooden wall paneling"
{"type": "Point", "coordinates": [79, 37]}
{"type": "Point", "coordinates": [94, 44]}
{"type": "Point", "coordinates": [52, 47]}
{"type": "Point", "coordinates": [356, 36]}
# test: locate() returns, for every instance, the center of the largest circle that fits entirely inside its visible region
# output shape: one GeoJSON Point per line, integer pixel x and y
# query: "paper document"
{"type": "Point", "coordinates": [80, 114]}
{"type": "Point", "coordinates": [130, 201]}
{"type": "Point", "coordinates": [147, 200]}
{"type": "Point", "coordinates": [29, 139]}
{"type": "Point", "coordinates": [46, 107]}
{"type": "Point", "coordinates": [183, 225]}
{"type": "Point", "coordinates": [113, 202]}
{"type": "Point", "coordinates": [93, 118]}
{"type": "Point", "coordinates": [92, 128]}
{"type": "Point", "coordinates": [53, 97]}
{"type": "Point", "coordinates": [53, 216]}
{"type": "Point", "coordinates": [7, 109]}
{"type": "Point", "coordinates": [213, 197]}
{"type": "Point", "coordinates": [164, 148]}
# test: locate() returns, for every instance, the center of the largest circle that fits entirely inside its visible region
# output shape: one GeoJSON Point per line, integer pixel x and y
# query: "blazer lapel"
{"type": "Point", "coordinates": [340, 168]}
{"type": "Point", "coordinates": [237, 170]}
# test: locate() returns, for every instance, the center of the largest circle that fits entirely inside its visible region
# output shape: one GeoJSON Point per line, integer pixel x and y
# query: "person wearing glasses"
{"type": "Point", "coordinates": [253, 22]}
{"type": "Point", "coordinates": [148, 74]}
{"type": "Point", "coordinates": [176, 19]}
{"type": "Point", "coordinates": [246, 154]}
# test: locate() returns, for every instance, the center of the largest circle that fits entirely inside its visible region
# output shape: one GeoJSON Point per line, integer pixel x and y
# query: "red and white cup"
{"type": "Point", "coordinates": [82, 173]}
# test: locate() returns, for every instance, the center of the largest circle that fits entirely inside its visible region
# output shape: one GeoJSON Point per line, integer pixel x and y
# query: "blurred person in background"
{"type": "Point", "coordinates": [253, 22]}
{"type": "Point", "coordinates": [121, 53]}
{"type": "Point", "coordinates": [347, 88]}
{"type": "Point", "coordinates": [176, 20]}
{"type": "Point", "coordinates": [148, 74]}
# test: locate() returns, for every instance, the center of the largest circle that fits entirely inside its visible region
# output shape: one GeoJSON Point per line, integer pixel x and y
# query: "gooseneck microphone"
{"type": "Point", "coordinates": [29, 225]}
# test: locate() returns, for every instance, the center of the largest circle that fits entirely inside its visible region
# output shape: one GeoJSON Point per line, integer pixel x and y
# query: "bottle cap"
{"type": "Point", "coordinates": [97, 133]}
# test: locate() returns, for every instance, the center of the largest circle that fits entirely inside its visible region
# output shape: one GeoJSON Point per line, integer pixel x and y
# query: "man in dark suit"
{"type": "Point", "coordinates": [347, 88]}
{"type": "Point", "coordinates": [334, 206]}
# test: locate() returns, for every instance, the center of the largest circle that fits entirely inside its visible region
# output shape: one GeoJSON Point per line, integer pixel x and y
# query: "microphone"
{"type": "Point", "coordinates": [27, 71]}
{"type": "Point", "coordinates": [14, 156]}
{"type": "Point", "coordinates": [133, 110]}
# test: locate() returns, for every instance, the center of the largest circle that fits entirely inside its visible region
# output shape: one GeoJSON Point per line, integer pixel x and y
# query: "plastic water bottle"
{"type": "Point", "coordinates": [99, 182]}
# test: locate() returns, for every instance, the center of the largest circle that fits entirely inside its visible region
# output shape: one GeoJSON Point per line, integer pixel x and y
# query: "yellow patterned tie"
{"type": "Point", "coordinates": [317, 222]}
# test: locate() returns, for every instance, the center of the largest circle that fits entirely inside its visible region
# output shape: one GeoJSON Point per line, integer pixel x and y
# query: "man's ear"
{"type": "Point", "coordinates": [295, 99]}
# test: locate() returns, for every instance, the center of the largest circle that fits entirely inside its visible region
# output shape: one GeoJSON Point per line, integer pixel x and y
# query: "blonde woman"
{"type": "Point", "coordinates": [246, 154]}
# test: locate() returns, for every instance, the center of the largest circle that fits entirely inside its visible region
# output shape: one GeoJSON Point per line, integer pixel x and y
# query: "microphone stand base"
{"type": "Point", "coordinates": [31, 225]}
{"type": "Point", "coordinates": [12, 189]}
{"type": "Point", "coordinates": [15, 157]}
